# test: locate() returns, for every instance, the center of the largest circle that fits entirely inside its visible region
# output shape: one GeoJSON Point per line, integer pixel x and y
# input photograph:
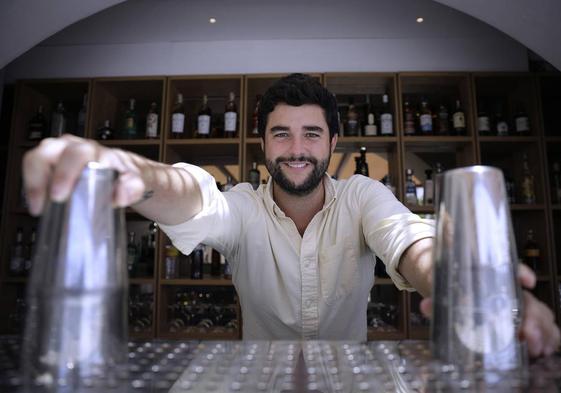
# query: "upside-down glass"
{"type": "Point", "coordinates": [76, 327]}
{"type": "Point", "coordinates": [477, 304]}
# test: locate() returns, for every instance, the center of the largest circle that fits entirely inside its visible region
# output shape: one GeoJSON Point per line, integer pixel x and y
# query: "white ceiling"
{"type": "Point", "coordinates": [133, 21]}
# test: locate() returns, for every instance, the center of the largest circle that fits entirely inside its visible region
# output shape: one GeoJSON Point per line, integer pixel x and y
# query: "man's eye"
{"type": "Point", "coordinates": [281, 134]}
{"type": "Point", "coordinates": [312, 135]}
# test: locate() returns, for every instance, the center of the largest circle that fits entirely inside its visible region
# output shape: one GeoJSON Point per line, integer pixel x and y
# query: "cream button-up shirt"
{"type": "Point", "coordinates": [314, 286]}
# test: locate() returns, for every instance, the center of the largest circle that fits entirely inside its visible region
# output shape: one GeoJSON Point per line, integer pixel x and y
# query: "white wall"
{"type": "Point", "coordinates": [167, 37]}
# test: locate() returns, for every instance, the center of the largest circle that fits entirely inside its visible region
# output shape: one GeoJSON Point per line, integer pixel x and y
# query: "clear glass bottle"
{"type": "Point", "coordinates": [58, 121]}
{"type": "Point", "coordinates": [178, 118]}
{"type": "Point", "coordinates": [528, 185]}
{"type": "Point", "coordinates": [82, 114]}
{"type": "Point", "coordinates": [459, 120]}
{"type": "Point", "coordinates": [410, 188]}
{"type": "Point", "coordinates": [426, 119]}
{"type": "Point", "coordinates": [152, 122]}
{"type": "Point", "coordinates": [204, 119]}
{"type": "Point", "coordinates": [254, 176]}
{"type": "Point", "coordinates": [231, 117]}
{"type": "Point", "coordinates": [386, 118]}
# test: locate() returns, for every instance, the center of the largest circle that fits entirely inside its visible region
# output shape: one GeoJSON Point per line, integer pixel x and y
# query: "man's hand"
{"type": "Point", "coordinates": [538, 327]}
{"type": "Point", "coordinates": [52, 169]}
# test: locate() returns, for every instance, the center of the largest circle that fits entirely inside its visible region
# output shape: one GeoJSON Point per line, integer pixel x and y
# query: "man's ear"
{"type": "Point", "coordinates": [263, 144]}
{"type": "Point", "coordinates": [333, 143]}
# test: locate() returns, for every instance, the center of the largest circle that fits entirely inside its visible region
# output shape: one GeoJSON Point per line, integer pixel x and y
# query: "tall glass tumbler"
{"type": "Point", "coordinates": [76, 327]}
{"type": "Point", "coordinates": [477, 305]}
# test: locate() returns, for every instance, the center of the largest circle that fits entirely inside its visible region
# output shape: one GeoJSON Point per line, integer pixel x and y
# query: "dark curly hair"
{"type": "Point", "coordinates": [297, 90]}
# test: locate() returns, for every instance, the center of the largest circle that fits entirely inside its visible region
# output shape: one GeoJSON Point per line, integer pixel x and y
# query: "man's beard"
{"type": "Point", "coordinates": [311, 182]}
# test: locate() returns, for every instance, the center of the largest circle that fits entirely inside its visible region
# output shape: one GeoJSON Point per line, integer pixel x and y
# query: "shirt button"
{"type": "Point", "coordinates": [308, 303]}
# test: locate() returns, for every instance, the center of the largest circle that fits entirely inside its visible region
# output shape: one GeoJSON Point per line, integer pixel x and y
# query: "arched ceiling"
{"type": "Point", "coordinates": [25, 23]}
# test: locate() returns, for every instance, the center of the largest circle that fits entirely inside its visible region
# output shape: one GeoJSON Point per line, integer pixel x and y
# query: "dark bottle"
{"type": "Point", "coordinates": [531, 252]}
{"type": "Point", "coordinates": [386, 118]}
{"type": "Point", "coordinates": [459, 120]}
{"type": "Point", "coordinates": [528, 185]}
{"type": "Point", "coordinates": [255, 117]}
{"type": "Point", "coordinates": [203, 119]}
{"type": "Point", "coordinates": [105, 132]}
{"type": "Point", "coordinates": [132, 255]}
{"type": "Point", "coordinates": [131, 123]}
{"type": "Point", "coordinates": [81, 123]}
{"type": "Point", "coordinates": [426, 119]}
{"type": "Point", "coordinates": [361, 164]}
{"type": "Point", "coordinates": [443, 121]}
{"type": "Point", "coordinates": [483, 123]}
{"type": "Point", "coordinates": [171, 263]}
{"type": "Point", "coordinates": [58, 121]}
{"type": "Point", "coordinates": [37, 126]}
{"type": "Point", "coordinates": [410, 188]}
{"type": "Point", "coordinates": [215, 265]}
{"type": "Point", "coordinates": [510, 189]}
{"type": "Point", "coordinates": [429, 188]}
{"type": "Point", "coordinates": [178, 118]}
{"type": "Point", "coordinates": [254, 176]}
{"type": "Point", "coordinates": [521, 122]}
{"type": "Point", "coordinates": [409, 120]}
{"type": "Point", "coordinates": [352, 123]}
{"type": "Point", "coordinates": [197, 263]}
{"type": "Point", "coordinates": [231, 117]}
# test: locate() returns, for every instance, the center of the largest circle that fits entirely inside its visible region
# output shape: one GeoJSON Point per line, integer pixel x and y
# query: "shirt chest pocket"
{"type": "Point", "coordinates": [339, 273]}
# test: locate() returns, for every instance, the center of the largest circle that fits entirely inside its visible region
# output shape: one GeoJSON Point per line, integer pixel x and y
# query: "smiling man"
{"type": "Point", "coordinates": [302, 247]}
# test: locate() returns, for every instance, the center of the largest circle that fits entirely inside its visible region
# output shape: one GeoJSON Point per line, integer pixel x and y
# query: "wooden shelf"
{"type": "Point", "coordinates": [141, 280]}
{"type": "Point", "coordinates": [383, 281]}
{"type": "Point", "coordinates": [129, 142]}
{"type": "Point", "coordinates": [197, 283]}
{"type": "Point", "coordinates": [419, 332]}
{"type": "Point", "coordinates": [253, 140]}
{"type": "Point", "coordinates": [523, 207]}
{"type": "Point", "coordinates": [421, 209]}
{"type": "Point", "coordinates": [420, 139]}
{"type": "Point", "coordinates": [553, 139]}
{"type": "Point", "coordinates": [508, 139]}
{"type": "Point", "coordinates": [202, 141]}
{"type": "Point", "coordinates": [200, 335]}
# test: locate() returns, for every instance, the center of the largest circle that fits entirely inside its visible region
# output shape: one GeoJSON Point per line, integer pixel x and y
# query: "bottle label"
{"type": "Point", "coordinates": [502, 128]}
{"type": "Point", "coordinates": [522, 124]}
{"type": "Point", "coordinates": [459, 120]}
{"type": "Point", "coordinates": [152, 125]}
{"type": "Point", "coordinates": [177, 123]}
{"type": "Point", "coordinates": [386, 121]}
{"type": "Point", "coordinates": [203, 125]}
{"type": "Point", "coordinates": [528, 191]}
{"type": "Point", "coordinates": [483, 124]}
{"type": "Point", "coordinates": [230, 121]}
{"type": "Point", "coordinates": [370, 130]}
{"type": "Point", "coordinates": [409, 126]}
{"type": "Point", "coordinates": [426, 123]}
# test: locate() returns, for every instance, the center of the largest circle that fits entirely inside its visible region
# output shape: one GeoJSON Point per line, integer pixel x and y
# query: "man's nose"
{"type": "Point", "coordinates": [297, 147]}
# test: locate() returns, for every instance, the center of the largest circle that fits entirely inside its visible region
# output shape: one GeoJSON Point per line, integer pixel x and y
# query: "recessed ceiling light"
{"type": "Point", "coordinates": [420, 20]}
{"type": "Point", "coordinates": [212, 20]}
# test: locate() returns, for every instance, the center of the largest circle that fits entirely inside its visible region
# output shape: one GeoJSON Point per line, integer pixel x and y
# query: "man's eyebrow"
{"type": "Point", "coordinates": [313, 128]}
{"type": "Point", "coordinates": [280, 128]}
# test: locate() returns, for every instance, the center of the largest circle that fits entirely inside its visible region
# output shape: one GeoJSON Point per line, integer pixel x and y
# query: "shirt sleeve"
{"type": "Point", "coordinates": [216, 225]}
{"type": "Point", "coordinates": [390, 228]}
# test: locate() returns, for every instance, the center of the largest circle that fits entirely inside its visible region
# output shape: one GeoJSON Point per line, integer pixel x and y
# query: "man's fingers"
{"type": "Point", "coordinates": [526, 276]}
{"type": "Point", "coordinates": [426, 307]}
{"type": "Point", "coordinates": [538, 327]}
{"type": "Point", "coordinates": [37, 168]}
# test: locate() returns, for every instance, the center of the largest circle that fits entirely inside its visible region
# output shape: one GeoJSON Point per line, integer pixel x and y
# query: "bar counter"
{"type": "Point", "coordinates": [285, 366]}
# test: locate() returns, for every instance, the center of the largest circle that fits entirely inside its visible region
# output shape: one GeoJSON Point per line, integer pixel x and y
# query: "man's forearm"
{"type": "Point", "coordinates": [416, 265]}
{"type": "Point", "coordinates": [171, 195]}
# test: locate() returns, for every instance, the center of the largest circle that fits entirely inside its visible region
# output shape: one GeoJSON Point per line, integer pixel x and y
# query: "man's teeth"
{"type": "Point", "coordinates": [296, 164]}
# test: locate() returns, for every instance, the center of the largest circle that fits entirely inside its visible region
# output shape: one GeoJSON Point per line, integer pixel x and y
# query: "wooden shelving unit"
{"type": "Point", "coordinates": [386, 155]}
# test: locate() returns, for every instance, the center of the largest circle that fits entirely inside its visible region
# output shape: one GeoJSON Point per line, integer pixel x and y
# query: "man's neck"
{"type": "Point", "coordinates": [301, 209]}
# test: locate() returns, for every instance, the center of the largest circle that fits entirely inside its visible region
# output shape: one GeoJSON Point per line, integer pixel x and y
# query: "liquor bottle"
{"type": "Point", "coordinates": [459, 120]}
{"type": "Point", "coordinates": [152, 122]}
{"type": "Point", "coordinates": [255, 130]}
{"type": "Point", "coordinates": [81, 123]}
{"type": "Point", "coordinates": [483, 122]}
{"type": "Point", "coordinates": [426, 119]}
{"type": "Point", "coordinates": [409, 120]}
{"type": "Point", "coordinates": [229, 184]}
{"type": "Point", "coordinates": [501, 126]}
{"type": "Point", "coordinates": [361, 164]}
{"type": "Point", "coordinates": [17, 257]}
{"type": "Point", "coordinates": [106, 132]}
{"type": "Point", "coordinates": [178, 118]}
{"type": "Point", "coordinates": [443, 121]}
{"type": "Point", "coordinates": [352, 128]}
{"type": "Point", "coordinates": [254, 176]}
{"type": "Point", "coordinates": [510, 188]}
{"type": "Point", "coordinates": [410, 188]}
{"type": "Point", "coordinates": [429, 188]}
{"type": "Point", "coordinates": [203, 119]}
{"type": "Point", "coordinates": [215, 266]}
{"type": "Point", "coordinates": [556, 183]}
{"type": "Point", "coordinates": [151, 252]}
{"type": "Point", "coordinates": [130, 121]}
{"type": "Point", "coordinates": [370, 128]}
{"type": "Point", "coordinates": [531, 252]}
{"type": "Point", "coordinates": [386, 118]}
{"type": "Point", "coordinates": [58, 121]}
{"type": "Point", "coordinates": [528, 188]}
{"type": "Point", "coordinates": [197, 261]}
{"type": "Point", "coordinates": [132, 255]}
{"type": "Point", "coordinates": [29, 251]}
{"type": "Point", "coordinates": [37, 126]}
{"type": "Point", "coordinates": [522, 122]}
{"type": "Point", "coordinates": [171, 263]}
{"type": "Point", "coordinates": [438, 170]}
{"type": "Point", "coordinates": [386, 180]}
{"type": "Point", "coordinates": [231, 117]}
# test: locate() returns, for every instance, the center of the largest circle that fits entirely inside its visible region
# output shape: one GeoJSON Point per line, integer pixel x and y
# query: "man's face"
{"type": "Point", "coordinates": [297, 147]}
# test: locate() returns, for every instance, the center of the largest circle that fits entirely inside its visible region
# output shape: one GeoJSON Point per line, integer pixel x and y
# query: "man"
{"type": "Point", "coordinates": [301, 247]}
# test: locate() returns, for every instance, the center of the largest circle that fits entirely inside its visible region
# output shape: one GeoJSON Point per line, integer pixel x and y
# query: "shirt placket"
{"type": "Point", "coordinates": [309, 273]}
